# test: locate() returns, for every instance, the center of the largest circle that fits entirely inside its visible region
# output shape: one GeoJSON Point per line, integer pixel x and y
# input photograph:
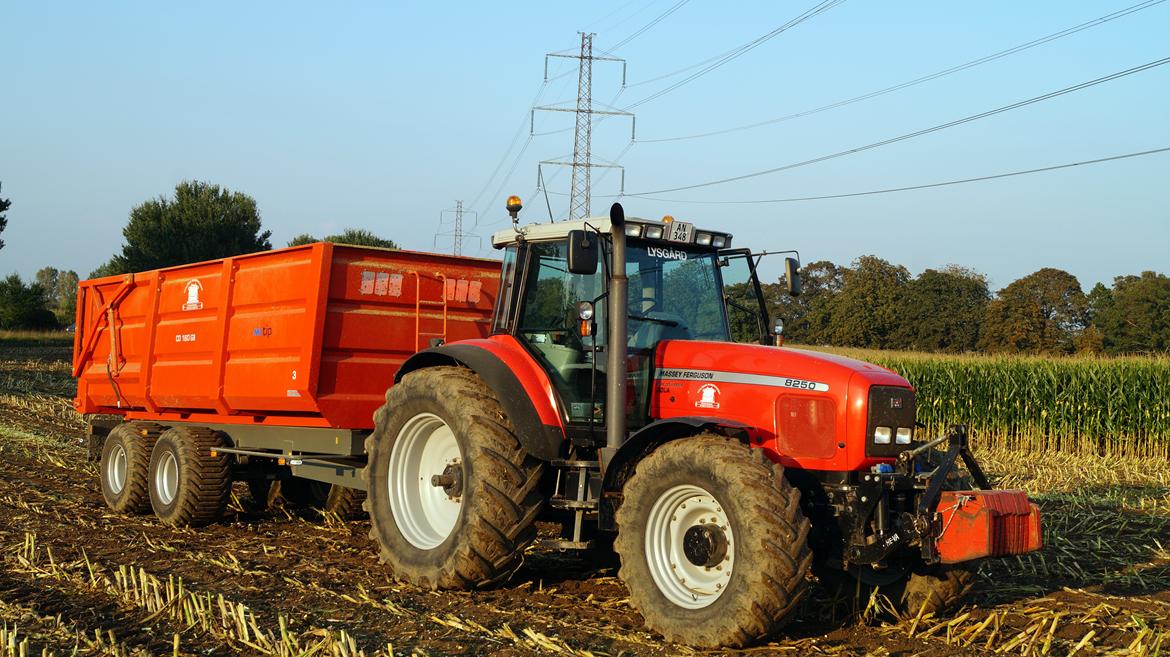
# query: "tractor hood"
{"type": "Point", "coordinates": [809, 407]}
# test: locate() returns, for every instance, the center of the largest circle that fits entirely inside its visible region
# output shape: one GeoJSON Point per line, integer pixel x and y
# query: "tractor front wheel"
{"type": "Point", "coordinates": [936, 589]}
{"type": "Point", "coordinates": [713, 544]}
{"type": "Point", "coordinates": [453, 495]}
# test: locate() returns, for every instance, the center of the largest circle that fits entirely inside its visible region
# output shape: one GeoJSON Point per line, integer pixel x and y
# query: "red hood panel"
{"type": "Point", "coordinates": [806, 407]}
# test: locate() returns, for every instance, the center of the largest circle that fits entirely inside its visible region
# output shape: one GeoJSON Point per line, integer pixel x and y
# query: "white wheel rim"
{"type": "Point", "coordinates": [425, 514]}
{"type": "Point", "coordinates": [686, 584]}
{"type": "Point", "coordinates": [116, 468]}
{"type": "Point", "coordinates": [166, 478]}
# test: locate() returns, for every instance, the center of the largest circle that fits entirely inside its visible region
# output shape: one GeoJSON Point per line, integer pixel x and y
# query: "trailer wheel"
{"type": "Point", "coordinates": [713, 544]}
{"type": "Point", "coordinates": [124, 462]}
{"type": "Point", "coordinates": [452, 493]}
{"type": "Point", "coordinates": [189, 487]}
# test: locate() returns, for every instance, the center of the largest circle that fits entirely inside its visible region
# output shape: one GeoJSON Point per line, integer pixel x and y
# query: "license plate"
{"type": "Point", "coordinates": [680, 231]}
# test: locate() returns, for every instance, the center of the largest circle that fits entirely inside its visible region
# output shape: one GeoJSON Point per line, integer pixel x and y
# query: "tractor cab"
{"type": "Point", "coordinates": [683, 283]}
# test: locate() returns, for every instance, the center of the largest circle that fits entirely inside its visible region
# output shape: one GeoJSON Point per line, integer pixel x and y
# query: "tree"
{"type": "Point", "coordinates": [806, 317]}
{"type": "Point", "coordinates": [1136, 317]}
{"type": "Point", "coordinates": [4, 205]}
{"type": "Point", "coordinates": [865, 313]}
{"type": "Point", "coordinates": [60, 290]}
{"type": "Point", "coordinates": [1044, 312]}
{"type": "Point", "coordinates": [201, 222]}
{"type": "Point", "coordinates": [943, 311]}
{"type": "Point", "coordinates": [23, 306]}
{"type": "Point", "coordinates": [352, 236]}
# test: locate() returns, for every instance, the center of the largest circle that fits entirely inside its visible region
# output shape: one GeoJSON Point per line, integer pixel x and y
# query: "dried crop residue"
{"type": "Point", "coordinates": [74, 575]}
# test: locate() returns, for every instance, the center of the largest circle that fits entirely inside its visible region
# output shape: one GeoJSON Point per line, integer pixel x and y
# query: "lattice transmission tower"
{"type": "Point", "coordinates": [456, 233]}
{"type": "Point", "coordinates": [582, 162]}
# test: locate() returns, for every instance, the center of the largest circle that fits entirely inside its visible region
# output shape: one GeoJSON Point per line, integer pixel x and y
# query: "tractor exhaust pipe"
{"type": "Point", "coordinates": [615, 369]}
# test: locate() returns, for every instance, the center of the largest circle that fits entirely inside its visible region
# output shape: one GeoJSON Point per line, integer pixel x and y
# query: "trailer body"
{"type": "Point", "coordinates": [308, 336]}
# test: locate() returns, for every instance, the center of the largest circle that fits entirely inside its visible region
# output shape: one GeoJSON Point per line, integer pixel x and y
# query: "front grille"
{"type": "Point", "coordinates": [893, 407]}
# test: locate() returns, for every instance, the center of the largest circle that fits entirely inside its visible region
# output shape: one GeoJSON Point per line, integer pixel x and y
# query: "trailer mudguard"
{"type": "Point", "coordinates": [544, 441]}
{"type": "Point", "coordinates": [620, 466]}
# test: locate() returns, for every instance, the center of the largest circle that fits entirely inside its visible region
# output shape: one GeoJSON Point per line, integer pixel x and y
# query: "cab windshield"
{"type": "Point", "coordinates": [674, 294]}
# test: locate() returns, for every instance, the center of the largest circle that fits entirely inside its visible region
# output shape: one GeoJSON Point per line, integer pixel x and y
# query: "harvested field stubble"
{"type": "Point", "coordinates": [77, 579]}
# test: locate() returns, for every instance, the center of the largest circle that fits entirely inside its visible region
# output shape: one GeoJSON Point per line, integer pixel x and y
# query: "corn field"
{"type": "Point", "coordinates": [1101, 406]}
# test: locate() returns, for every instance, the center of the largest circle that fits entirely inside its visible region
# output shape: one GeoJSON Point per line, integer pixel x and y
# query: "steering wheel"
{"type": "Point", "coordinates": [647, 318]}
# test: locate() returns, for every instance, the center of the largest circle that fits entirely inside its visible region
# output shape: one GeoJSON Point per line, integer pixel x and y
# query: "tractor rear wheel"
{"type": "Point", "coordinates": [125, 458]}
{"type": "Point", "coordinates": [188, 486]}
{"type": "Point", "coordinates": [713, 544]}
{"type": "Point", "coordinates": [453, 494]}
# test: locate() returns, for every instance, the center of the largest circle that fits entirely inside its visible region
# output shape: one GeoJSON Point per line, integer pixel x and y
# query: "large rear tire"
{"type": "Point", "coordinates": [124, 464]}
{"type": "Point", "coordinates": [713, 544]}
{"type": "Point", "coordinates": [188, 486]}
{"type": "Point", "coordinates": [452, 495]}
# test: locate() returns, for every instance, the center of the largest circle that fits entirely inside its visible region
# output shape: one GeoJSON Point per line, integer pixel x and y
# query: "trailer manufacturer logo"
{"type": "Point", "coordinates": [193, 288]}
{"type": "Point", "coordinates": [708, 396]}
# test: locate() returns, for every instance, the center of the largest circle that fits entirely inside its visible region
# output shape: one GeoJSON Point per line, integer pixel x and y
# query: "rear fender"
{"type": "Point", "coordinates": [620, 466]}
{"type": "Point", "coordinates": [528, 407]}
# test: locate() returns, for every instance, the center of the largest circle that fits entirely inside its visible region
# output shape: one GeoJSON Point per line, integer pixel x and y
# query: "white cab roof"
{"type": "Point", "coordinates": [537, 232]}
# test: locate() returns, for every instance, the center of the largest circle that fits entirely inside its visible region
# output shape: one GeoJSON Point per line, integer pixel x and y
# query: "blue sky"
{"type": "Point", "coordinates": [381, 115]}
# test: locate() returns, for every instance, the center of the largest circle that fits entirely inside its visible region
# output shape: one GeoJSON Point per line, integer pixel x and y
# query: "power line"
{"type": "Point", "coordinates": [926, 78]}
{"type": "Point", "coordinates": [908, 188]}
{"type": "Point", "coordinates": [918, 133]}
{"type": "Point", "coordinates": [714, 62]}
{"type": "Point", "coordinates": [737, 52]}
{"type": "Point", "coordinates": [647, 26]}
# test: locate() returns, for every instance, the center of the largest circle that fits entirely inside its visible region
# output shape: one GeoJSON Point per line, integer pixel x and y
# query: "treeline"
{"type": "Point", "coordinates": [879, 305]}
{"type": "Point", "coordinates": [202, 221]}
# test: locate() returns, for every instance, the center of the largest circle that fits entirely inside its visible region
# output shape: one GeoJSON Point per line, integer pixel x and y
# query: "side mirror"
{"type": "Point", "coordinates": [583, 250]}
{"type": "Point", "coordinates": [792, 276]}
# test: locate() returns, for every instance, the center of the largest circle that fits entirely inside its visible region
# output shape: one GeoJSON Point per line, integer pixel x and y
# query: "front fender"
{"type": "Point", "coordinates": [619, 467]}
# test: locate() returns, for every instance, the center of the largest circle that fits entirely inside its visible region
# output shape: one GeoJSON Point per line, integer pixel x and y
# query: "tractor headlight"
{"type": "Point", "coordinates": [633, 230]}
{"type": "Point", "coordinates": [718, 241]}
{"type": "Point", "coordinates": [653, 232]}
{"type": "Point", "coordinates": [902, 437]}
{"type": "Point", "coordinates": [703, 239]}
{"type": "Point", "coordinates": [585, 313]}
{"type": "Point", "coordinates": [882, 435]}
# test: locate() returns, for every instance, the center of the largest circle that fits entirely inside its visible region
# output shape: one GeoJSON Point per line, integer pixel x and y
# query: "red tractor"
{"type": "Point", "coordinates": [611, 397]}
{"type": "Point", "coordinates": [600, 380]}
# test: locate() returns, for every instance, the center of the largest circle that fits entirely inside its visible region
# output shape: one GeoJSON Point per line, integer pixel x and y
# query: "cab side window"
{"type": "Point", "coordinates": [550, 326]}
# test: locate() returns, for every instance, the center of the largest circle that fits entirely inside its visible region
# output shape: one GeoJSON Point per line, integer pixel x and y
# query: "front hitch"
{"type": "Point", "coordinates": [945, 526]}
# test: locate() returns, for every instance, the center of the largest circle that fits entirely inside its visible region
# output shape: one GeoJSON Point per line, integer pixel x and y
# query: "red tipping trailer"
{"type": "Point", "coordinates": [308, 336]}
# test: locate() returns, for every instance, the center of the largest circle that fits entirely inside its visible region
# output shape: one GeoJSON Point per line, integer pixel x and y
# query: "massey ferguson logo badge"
{"type": "Point", "coordinates": [193, 288]}
{"type": "Point", "coordinates": [708, 396]}
{"type": "Point", "coordinates": [895, 402]}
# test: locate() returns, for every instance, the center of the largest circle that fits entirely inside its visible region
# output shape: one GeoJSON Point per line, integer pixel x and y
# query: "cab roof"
{"type": "Point", "coordinates": [537, 232]}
